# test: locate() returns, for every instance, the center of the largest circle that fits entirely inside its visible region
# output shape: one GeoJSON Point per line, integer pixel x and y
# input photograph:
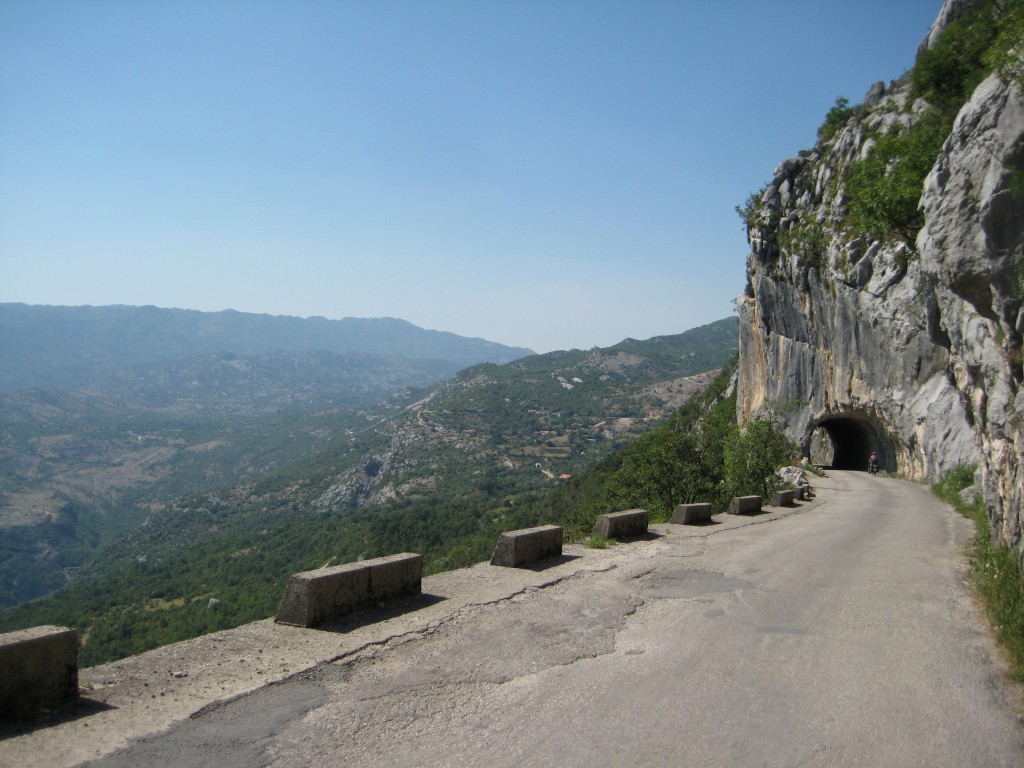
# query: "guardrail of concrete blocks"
{"type": "Point", "coordinates": [38, 670]}
{"type": "Point", "coordinates": [783, 498]}
{"type": "Point", "coordinates": [316, 597]}
{"type": "Point", "coordinates": [528, 545]}
{"type": "Point", "coordinates": [744, 505]}
{"type": "Point", "coordinates": [690, 514]}
{"type": "Point", "coordinates": [614, 525]}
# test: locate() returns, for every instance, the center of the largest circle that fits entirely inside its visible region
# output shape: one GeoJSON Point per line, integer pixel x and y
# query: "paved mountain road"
{"type": "Point", "coordinates": [838, 634]}
{"type": "Point", "coordinates": [843, 636]}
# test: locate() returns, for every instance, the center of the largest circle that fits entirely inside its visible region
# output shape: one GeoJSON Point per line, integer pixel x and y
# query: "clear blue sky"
{"type": "Point", "coordinates": [547, 174]}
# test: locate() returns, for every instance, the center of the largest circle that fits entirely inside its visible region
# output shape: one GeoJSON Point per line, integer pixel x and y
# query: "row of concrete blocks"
{"type": "Point", "coordinates": [318, 597]}
{"type": "Point", "coordinates": [39, 666]}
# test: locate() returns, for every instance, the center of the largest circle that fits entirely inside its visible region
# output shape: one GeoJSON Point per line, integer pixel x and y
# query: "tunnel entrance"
{"type": "Point", "coordinates": [846, 441]}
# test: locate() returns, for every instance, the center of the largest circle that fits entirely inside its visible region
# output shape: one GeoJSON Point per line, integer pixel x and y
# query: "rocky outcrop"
{"type": "Point", "coordinates": [911, 350]}
{"type": "Point", "coordinates": [972, 253]}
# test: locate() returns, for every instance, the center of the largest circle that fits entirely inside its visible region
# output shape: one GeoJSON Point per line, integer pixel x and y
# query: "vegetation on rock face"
{"type": "Point", "coordinates": [1006, 54]}
{"type": "Point", "coordinates": [806, 237]}
{"type": "Point", "coordinates": [946, 74]}
{"type": "Point", "coordinates": [751, 209]}
{"type": "Point", "coordinates": [995, 571]}
{"type": "Point", "coordinates": [883, 189]}
{"type": "Point", "coordinates": [836, 118]}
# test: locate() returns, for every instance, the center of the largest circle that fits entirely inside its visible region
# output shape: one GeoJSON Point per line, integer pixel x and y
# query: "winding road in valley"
{"type": "Point", "coordinates": [839, 633]}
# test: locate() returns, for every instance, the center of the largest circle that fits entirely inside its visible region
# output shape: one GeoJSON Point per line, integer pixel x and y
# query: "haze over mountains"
{"type": "Point", "coordinates": [76, 347]}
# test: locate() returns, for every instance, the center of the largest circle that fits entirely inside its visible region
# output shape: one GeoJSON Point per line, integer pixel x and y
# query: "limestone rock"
{"type": "Point", "coordinates": [910, 350]}
{"type": "Point", "coordinates": [793, 476]}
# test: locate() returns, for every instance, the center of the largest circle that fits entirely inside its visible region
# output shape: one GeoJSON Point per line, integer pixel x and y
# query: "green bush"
{"type": "Point", "coordinates": [836, 118]}
{"type": "Point", "coordinates": [750, 209]}
{"type": "Point", "coordinates": [752, 455]}
{"type": "Point", "coordinates": [1006, 54]}
{"type": "Point", "coordinates": [884, 189]}
{"type": "Point", "coordinates": [946, 74]}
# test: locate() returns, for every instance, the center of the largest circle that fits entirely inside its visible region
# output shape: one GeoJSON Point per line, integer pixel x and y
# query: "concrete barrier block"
{"type": "Point", "coordinates": [744, 505]}
{"type": "Point", "coordinates": [614, 525]}
{"type": "Point", "coordinates": [395, 576]}
{"type": "Point", "coordinates": [783, 498]}
{"type": "Point", "coordinates": [38, 670]}
{"type": "Point", "coordinates": [689, 514]}
{"type": "Point", "coordinates": [526, 546]}
{"type": "Point", "coordinates": [316, 597]}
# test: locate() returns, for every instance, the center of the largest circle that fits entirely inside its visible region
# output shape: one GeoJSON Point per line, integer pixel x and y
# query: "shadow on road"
{"type": "Point", "coordinates": [78, 709]}
{"type": "Point", "coordinates": [382, 612]}
{"type": "Point", "coordinates": [551, 562]}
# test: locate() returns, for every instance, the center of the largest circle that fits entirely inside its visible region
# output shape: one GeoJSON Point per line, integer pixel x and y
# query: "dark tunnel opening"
{"type": "Point", "coordinates": [846, 442]}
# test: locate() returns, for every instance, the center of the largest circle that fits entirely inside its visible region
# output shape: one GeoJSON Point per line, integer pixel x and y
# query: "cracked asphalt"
{"type": "Point", "coordinates": [836, 633]}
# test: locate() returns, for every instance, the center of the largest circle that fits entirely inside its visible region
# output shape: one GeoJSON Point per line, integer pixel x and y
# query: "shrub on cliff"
{"type": "Point", "coordinates": [1006, 55]}
{"type": "Point", "coordinates": [837, 118]}
{"type": "Point", "coordinates": [883, 190]}
{"type": "Point", "coordinates": [946, 74]}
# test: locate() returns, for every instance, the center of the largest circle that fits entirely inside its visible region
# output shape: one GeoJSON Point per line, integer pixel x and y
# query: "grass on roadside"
{"type": "Point", "coordinates": [995, 573]}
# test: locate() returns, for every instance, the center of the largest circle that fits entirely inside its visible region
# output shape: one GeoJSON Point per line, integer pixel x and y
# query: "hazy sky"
{"type": "Point", "coordinates": [547, 174]}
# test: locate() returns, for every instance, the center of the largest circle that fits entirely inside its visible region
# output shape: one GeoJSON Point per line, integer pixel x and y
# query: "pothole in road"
{"type": "Point", "coordinates": [685, 583]}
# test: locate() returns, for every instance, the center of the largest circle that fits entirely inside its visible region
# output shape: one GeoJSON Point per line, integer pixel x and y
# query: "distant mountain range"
{"type": "Point", "coordinates": [62, 348]}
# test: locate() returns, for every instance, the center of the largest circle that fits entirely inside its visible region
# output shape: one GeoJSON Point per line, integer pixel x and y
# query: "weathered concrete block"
{"type": "Point", "coordinates": [744, 505]}
{"type": "Point", "coordinates": [614, 525]}
{"type": "Point", "coordinates": [518, 548]}
{"type": "Point", "coordinates": [38, 670]}
{"type": "Point", "coordinates": [688, 514]}
{"type": "Point", "coordinates": [316, 597]}
{"type": "Point", "coordinates": [783, 498]}
{"type": "Point", "coordinates": [800, 492]}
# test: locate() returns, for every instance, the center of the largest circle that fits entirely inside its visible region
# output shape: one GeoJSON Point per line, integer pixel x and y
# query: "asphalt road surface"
{"type": "Point", "coordinates": [838, 634]}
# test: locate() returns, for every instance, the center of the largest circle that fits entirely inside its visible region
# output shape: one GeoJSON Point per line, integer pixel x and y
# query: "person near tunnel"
{"type": "Point", "coordinates": [873, 463]}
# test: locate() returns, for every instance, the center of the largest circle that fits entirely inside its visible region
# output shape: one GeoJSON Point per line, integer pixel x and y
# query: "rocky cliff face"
{"type": "Point", "coordinates": [911, 349]}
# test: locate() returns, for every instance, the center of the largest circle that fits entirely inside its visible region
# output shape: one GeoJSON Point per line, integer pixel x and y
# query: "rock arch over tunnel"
{"type": "Point", "coordinates": [844, 441]}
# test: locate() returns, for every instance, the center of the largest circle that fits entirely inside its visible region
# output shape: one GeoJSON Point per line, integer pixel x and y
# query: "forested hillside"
{"type": "Point", "coordinates": [480, 454]}
{"type": "Point", "coordinates": [107, 413]}
{"type": "Point", "coordinates": [77, 468]}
